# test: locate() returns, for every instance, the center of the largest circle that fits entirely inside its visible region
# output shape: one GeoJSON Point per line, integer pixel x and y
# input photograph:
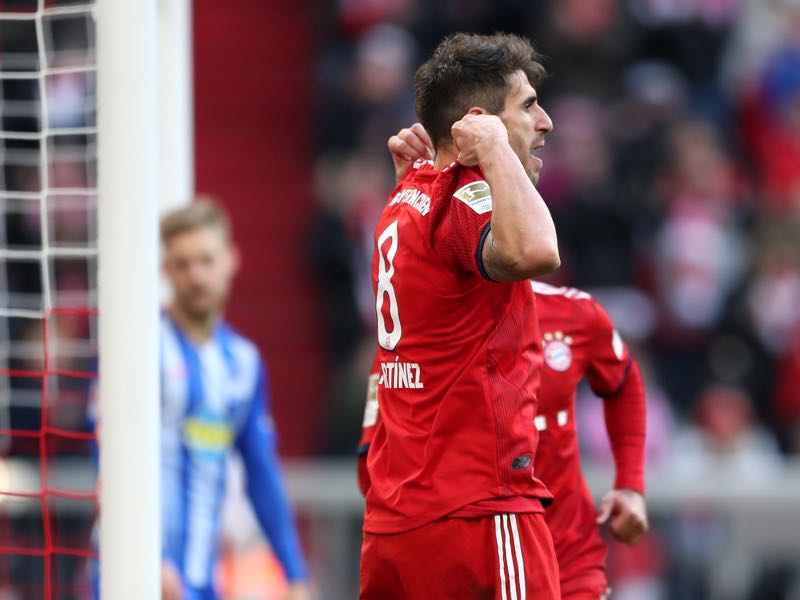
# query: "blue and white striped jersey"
{"type": "Point", "coordinates": [214, 398]}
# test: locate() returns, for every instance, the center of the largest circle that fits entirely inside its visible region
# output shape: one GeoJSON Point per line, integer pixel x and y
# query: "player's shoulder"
{"type": "Point", "coordinates": [579, 304]}
{"type": "Point", "coordinates": [432, 191]}
{"type": "Point", "coordinates": [166, 324]}
{"type": "Point", "coordinates": [243, 350]}
{"type": "Point", "coordinates": [467, 187]}
{"type": "Point", "coordinates": [413, 190]}
{"type": "Point", "coordinates": [417, 171]}
{"type": "Point", "coordinates": [170, 339]}
{"type": "Point", "coordinates": [560, 293]}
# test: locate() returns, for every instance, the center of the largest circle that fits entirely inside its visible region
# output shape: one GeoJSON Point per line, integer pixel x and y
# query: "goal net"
{"type": "Point", "coordinates": [48, 297]}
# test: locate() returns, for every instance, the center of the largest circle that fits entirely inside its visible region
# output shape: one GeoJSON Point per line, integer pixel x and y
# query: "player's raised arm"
{"type": "Point", "coordinates": [522, 242]}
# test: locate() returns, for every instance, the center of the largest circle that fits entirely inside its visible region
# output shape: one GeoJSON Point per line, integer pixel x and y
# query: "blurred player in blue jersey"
{"type": "Point", "coordinates": [214, 398]}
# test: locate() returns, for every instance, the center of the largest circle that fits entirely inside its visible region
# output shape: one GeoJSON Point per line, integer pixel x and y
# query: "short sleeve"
{"type": "Point", "coordinates": [609, 359]}
{"type": "Point", "coordinates": [465, 222]}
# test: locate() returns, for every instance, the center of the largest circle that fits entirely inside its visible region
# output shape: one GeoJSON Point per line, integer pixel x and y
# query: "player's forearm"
{"type": "Point", "coordinates": [523, 239]}
{"type": "Point", "coordinates": [267, 492]}
{"type": "Point", "coordinates": [271, 504]}
{"type": "Point", "coordinates": [625, 416]}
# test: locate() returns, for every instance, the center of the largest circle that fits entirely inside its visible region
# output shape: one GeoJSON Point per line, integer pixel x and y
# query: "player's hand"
{"type": "Point", "coordinates": [626, 514]}
{"type": "Point", "coordinates": [171, 584]}
{"type": "Point", "coordinates": [408, 145]}
{"type": "Point", "coordinates": [475, 135]}
{"type": "Point", "coordinates": [298, 591]}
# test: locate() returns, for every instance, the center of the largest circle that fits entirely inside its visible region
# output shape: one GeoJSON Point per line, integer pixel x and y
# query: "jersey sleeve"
{"type": "Point", "coordinates": [368, 427]}
{"type": "Point", "coordinates": [615, 377]}
{"type": "Point", "coordinates": [371, 408]}
{"type": "Point", "coordinates": [265, 486]}
{"type": "Point", "coordinates": [626, 424]}
{"type": "Point", "coordinates": [465, 220]}
{"type": "Point", "coordinates": [609, 361]}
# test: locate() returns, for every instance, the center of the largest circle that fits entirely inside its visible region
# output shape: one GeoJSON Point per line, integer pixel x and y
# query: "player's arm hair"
{"type": "Point", "coordinates": [522, 242]}
{"type": "Point", "coordinates": [626, 417]}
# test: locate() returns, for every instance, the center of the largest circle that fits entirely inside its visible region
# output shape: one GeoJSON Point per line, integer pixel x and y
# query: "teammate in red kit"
{"type": "Point", "coordinates": [454, 509]}
{"type": "Point", "coordinates": [579, 341]}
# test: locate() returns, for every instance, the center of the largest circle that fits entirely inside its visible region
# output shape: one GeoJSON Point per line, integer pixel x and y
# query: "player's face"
{"type": "Point", "coordinates": [527, 123]}
{"type": "Point", "coordinates": [200, 264]}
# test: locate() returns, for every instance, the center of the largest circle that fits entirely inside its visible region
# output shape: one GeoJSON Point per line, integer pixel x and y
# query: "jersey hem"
{"type": "Point", "coordinates": [383, 526]}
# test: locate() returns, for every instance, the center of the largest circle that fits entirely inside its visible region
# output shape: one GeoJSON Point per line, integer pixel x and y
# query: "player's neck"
{"type": "Point", "coordinates": [198, 330]}
{"type": "Point", "coordinates": [445, 156]}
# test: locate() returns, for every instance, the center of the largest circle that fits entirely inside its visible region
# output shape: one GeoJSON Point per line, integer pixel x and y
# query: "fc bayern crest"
{"type": "Point", "coordinates": [557, 351]}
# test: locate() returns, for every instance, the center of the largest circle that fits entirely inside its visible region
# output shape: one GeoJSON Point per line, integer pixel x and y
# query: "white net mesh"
{"type": "Point", "coordinates": [48, 297]}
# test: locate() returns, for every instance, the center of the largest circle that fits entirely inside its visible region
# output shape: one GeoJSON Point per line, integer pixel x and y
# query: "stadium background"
{"type": "Point", "coordinates": [674, 178]}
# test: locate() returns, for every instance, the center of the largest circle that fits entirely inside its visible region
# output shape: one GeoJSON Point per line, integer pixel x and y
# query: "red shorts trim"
{"type": "Point", "coordinates": [498, 557]}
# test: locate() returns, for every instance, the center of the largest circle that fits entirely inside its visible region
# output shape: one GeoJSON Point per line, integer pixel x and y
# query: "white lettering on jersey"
{"type": "Point", "coordinates": [415, 199]}
{"type": "Point", "coordinates": [419, 162]}
{"type": "Point", "coordinates": [476, 195]}
{"type": "Point", "coordinates": [401, 375]}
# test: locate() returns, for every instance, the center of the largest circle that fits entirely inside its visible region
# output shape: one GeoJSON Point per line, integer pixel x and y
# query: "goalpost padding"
{"type": "Point", "coordinates": [130, 551]}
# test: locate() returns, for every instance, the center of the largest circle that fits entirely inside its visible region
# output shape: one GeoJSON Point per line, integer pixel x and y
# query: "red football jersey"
{"type": "Point", "coordinates": [578, 341]}
{"type": "Point", "coordinates": [459, 361]}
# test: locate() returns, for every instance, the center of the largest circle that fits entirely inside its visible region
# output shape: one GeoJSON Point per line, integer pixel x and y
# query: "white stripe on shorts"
{"type": "Point", "coordinates": [512, 573]}
{"type": "Point", "coordinates": [499, 535]}
{"type": "Point", "coordinates": [520, 562]}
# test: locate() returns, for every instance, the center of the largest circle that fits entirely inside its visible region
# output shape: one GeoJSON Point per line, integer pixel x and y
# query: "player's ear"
{"type": "Point", "coordinates": [477, 110]}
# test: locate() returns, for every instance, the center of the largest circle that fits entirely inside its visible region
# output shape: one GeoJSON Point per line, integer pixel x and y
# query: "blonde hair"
{"type": "Point", "coordinates": [203, 212]}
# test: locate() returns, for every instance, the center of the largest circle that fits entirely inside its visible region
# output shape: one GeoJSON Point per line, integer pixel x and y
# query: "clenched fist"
{"type": "Point", "coordinates": [476, 135]}
{"type": "Point", "coordinates": [626, 514]}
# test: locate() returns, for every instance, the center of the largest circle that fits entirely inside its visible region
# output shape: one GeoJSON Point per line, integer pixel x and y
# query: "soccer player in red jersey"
{"type": "Point", "coordinates": [454, 509]}
{"type": "Point", "coordinates": [579, 341]}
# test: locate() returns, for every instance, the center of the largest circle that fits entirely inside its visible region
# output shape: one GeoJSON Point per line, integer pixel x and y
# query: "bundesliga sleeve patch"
{"type": "Point", "coordinates": [476, 195]}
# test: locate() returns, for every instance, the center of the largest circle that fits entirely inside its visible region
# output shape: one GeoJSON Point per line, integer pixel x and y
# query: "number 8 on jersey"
{"type": "Point", "coordinates": [387, 339]}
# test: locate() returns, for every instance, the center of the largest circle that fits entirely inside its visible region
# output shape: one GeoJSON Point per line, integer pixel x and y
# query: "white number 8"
{"type": "Point", "coordinates": [387, 339]}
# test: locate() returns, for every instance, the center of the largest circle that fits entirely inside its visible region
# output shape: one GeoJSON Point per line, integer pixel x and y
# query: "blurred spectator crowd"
{"type": "Point", "coordinates": [673, 175]}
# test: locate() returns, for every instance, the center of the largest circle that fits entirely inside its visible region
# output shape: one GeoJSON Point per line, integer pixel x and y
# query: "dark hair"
{"type": "Point", "coordinates": [469, 70]}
